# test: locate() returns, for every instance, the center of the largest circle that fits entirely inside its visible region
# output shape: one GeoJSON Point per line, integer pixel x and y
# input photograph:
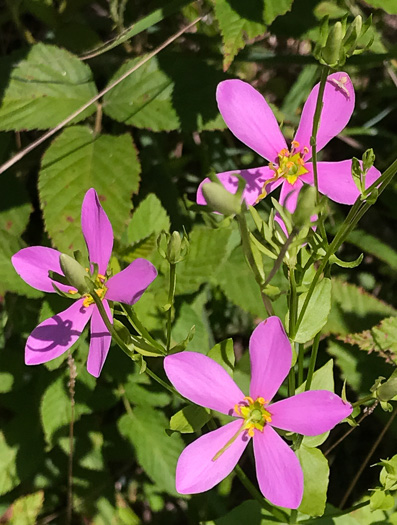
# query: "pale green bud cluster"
{"type": "Point", "coordinates": [173, 247]}
{"type": "Point", "coordinates": [342, 40]}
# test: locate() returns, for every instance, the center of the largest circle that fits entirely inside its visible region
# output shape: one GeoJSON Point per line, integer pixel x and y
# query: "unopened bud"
{"type": "Point", "coordinates": [387, 390]}
{"type": "Point", "coordinates": [174, 248]}
{"type": "Point", "coordinates": [221, 200]}
{"type": "Point", "coordinates": [331, 51]}
{"type": "Point", "coordinates": [74, 273]}
{"type": "Point", "coordinates": [368, 159]}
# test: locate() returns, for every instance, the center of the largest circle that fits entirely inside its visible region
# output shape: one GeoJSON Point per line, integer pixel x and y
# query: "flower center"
{"type": "Point", "coordinates": [254, 413]}
{"type": "Point", "coordinates": [290, 166]}
{"type": "Point", "coordinates": [100, 289]}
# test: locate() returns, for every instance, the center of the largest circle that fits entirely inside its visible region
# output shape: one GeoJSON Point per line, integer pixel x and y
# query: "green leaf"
{"type": "Point", "coordinates": [55, 408]}
{"type": "Point", "coordinates": [26, 509]}
{"type": "Point", "coordinates": [316, 313]}
{"type": "Point", "coordinates": [167, 93]}
{"type": "Point", "coordinates": [238, 284]}
{"type": "Point", "coordinates": [156, 452]}
{"type": "Point", "coordinates": [10, 280]}
{"type": "Point", "coordinates": [15, 207]}
{"type": "Point", "coordinates": [390, 6]}
{"type": "Point", "coordinates": [370, 244]}
{"type": "Point", "coordinates": [187, 318]}
{"type": "Point", "coordinates": [381, 339]}
{"type": "Point", "coordinates": [208, 250]}
{"type": "Point", "coordinates": [248, 512]}
{"type": "Point", "coordinates": [275, 8]}
{"type": "Point", "coordinates": [150, 217]}
{"type": "Point", "coordinates": [353, 308]}
{"type": "Point", "coordinates": [190, 419]}
{"type": "Point", "coordinates": [223, 353]}
{"type": "Point", "coordinates": [8, 468]}
{"type": "Point", "coordinates": [43, 88]}
{"type": "Point", "coordinates": [76, 161]}
{"type": "Point", "coordinates": [316, 474]}
{"type": "Point", "coordinates": [238, 24]}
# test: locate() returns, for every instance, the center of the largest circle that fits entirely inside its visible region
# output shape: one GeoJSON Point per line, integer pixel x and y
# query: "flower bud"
{"type": "Point", "coordinates": [387, 390]}
{"type": "Point", "coordinates": [368, 159]}
{"type": "Point", "coordinates": [221, 200]}
{"type": "Point", "coordinates": [74, 273]}
{"type": "Point", "coordinates": [331, 51]}
{"type": "Point", "coordinates": [174, 248]}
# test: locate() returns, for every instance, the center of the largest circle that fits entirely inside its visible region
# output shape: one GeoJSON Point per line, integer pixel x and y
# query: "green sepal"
{"type": "Point", "coordinates": [183, 344]}
{"type": "Point", "coordinates": [58, 278]}
{"type": "Point", "coordinates": [65, 294]}
{"type": "Point", "coordinates": [346, 264]}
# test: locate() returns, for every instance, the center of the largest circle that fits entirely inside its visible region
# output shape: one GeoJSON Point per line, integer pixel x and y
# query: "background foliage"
{"type": "Point", "coordinates": [145, 146]}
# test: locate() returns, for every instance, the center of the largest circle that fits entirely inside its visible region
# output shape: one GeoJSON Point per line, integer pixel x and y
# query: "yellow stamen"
{"type": "Point", "coordinates": [87, 301]}
{"type": "Point", "coordinates": [251, 431]}
{"type": "Point", "coordinates": [101, 276]}
{"type": "Point", "coordinates": [249, 399]}
{"type": "Point", "coordinates": [295, 144]}
{"type": "Point", "coordinates": [72, 291]}
{"type": "Point", "coordinates": [237, 409]}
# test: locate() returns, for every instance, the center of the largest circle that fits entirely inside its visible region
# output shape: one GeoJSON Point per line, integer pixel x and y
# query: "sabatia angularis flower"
{"type": "Point", "coordinates": [210, 458]}
{"type": "Point", "coordinates": [55, 335]}
{"type": "Point", "coordinates": [251, 120]}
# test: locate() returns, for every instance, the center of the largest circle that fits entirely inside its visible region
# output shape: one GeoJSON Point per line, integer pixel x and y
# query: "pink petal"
{"type": "Point", "coordinates": [336, 181]}
{"type": "Point", "coordinates": [255, 177]}
{"type": "Point", "coordinates": [55, 335]}
{"type": "Point", "coordinates": [196, 472]}
{"type": "Point", "coordinates": [309, 413]}
{"type": "Point", "coordinates": [33, 265]}
{"type": "Point", "coordinates": [97, 230]}
{"type": "Point", "coordinates": [278, 470]}
{"type": "Point", "coordinates": [203, 381]}
{"type": "Point", "coordinates": [99, 342]}
{"type": "Point", "coordinates": [289, 194]}
{"type": "Point", "coordinates": [271, 355]}
{"type": "Point", "coordinates": [249, 118]}
{"type": "Point", "coordinates": [129, 285]}
{"type": "Point", "coordinates": [337, 110]}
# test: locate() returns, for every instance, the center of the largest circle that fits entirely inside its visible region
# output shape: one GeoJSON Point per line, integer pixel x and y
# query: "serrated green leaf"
{"type": "Point", "coordinates": [187, 318]}
{"type": "Point", "coordinates": [149, 218]}
{"type": "Point", "coordinates": [316, 474]}
{"type": "Point", "coordinates": [43, 88]}
{"type": "Point", "coordinates": [316, 313]}
{"type": "Point", "coordinates": [167, 93]}
{"type": "Point", "coordinates": [156, 452]}
{"type": "Point", "coordinates": [381, 339]}
{"type": "Point", "coordinates": [238, 284]}
{"type": "Point", "coordinates": [208, 250]}
{"type": "Point", "coordinates": [223, 353]}
{"type": "Point", "coordinates": [10, 280]}
{"type": "Point", "coordinates": [238, 23]}
{"type": "Point", "coordinates": [190, 419]}
{"type": "Point", "coordinates": [76, 161]}
{"type": "Point", "coordinates": [353, 308]}
{"type": "Point", "coordinates": [25, 510]}
{"type": "Point", "coordinates": [275, 8]}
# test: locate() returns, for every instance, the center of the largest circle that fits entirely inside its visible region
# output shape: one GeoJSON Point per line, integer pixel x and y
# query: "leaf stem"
{"type": "Point", "coordinates": [171, 295]}
{"type": "Point", "coordinates": [312, 363]}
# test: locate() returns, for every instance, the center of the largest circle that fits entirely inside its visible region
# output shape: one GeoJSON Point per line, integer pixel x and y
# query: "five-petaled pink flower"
{"type": "Point", "coordinates": [251, 120]}
{"type": "Point", "coordinates": [210, 458]}
{"type": "Point", "coordinates": [55, 335]}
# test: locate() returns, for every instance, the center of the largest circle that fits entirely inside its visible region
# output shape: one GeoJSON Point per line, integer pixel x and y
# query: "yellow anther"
{"type": "Point", "coordinates": [300, 161]}
{"type": "Point", "coordinates": [295, 144]}
{"type": "Point", "coordinates": [284, 153]}
{"type": "Point", "coordinates": [267, 417]}
{"type": "Point", "coordinates": [72, 291]}
{"type": "Point", "coordinates": [290, 164]}
{"type": "Point", "coordinates": [249, 399]}
{"type": "Point", "coordinates": [237, 409]}
{"type": "Point", "coordinates": [261, 400]}
{"type": "Point", "coordinates": [99, 291]}
{"type": "Point", "coordinates": [251, 431]}
{"type": "Point", "coordinates": [305, 150]}
{"type": "Point", "coordinates": [87, 301]}
{"type": "Point", "coordinates": [101, 276]}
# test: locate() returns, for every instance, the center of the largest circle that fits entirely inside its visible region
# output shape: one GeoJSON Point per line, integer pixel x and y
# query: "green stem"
{"type": "Point", "coordinates": [293, 517]}
{"type": "Point", "coordinates": [138, 326]}
{"type": "Point", "coordinates": [301, 353]}
{"type": "Point", "coordinates": [291, 382]}
{"type": "Point", "coordinates": [312, 363]}
{"type": "Point", "coordinates": [340, 513]}
{"type": "Point", "coordinates": [363, 400]}
{"type": "Point", "coordinates": [171, 295]}
{"type": "Point", "coordinates": [313, 140]}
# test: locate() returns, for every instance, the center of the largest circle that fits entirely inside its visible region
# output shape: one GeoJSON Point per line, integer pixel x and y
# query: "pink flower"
{"type": "Point", "coordinates": [55, 335]}
{"type": "Point", "coordinates": [210, 458]}
{"type": "Point", "coordinates": [251, 120]}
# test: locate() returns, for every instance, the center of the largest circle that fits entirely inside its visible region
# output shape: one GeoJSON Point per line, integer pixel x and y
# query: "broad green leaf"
{"type": "Point", "coordinates": [275, 8]}
{"type": "Point", "coordinates": [316, 313]}
{"type": "Point", "coordinates": [156, 452]}
{"type": "Point", "coordinates": [10, 280]}
{"type": "Point", "coordinates": [223, 353]}
{"type": "Point", "coordinates": [238, 23]}
{"type": "Point", "coordinates": [15, 207]}
{"type": "Point", "coordinates": [316, 474]}
{"type": "Point", "coordinates": [371, 244]}
{"type": "Point", "coordinates": [248, 512]}
{"type": "Point", "coordinates": [150, 217]}
{"type": "Point", "coordinates": [167, 93]}
{"type": "Point", "coordinates": [8, 469]}
{"type": "Point", "coordinates": [140, 395]}
{"type": "Point", "coordinates": [381, 339]}
{"type": "Point", "coordinates": [55, 408]}
{"type": "Point", "coordinates": [238, 284]}
{"type": "Point", "coordinates": [390, 6]}
{"type": "Point", "coordinates": [26, 509]}
{"type": "Point", "coordinates": [208, 250]}
{"type": "Point", "coordinates": [45, 87]}
{"type": "Point", "coordinates": [76, 161]}
{"type": "Point", "coordinates": [353, 308]}
{"type": "Point", "coordinates": [190, 419]}
{"type": "Point", "coordinates": [187, 318]}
